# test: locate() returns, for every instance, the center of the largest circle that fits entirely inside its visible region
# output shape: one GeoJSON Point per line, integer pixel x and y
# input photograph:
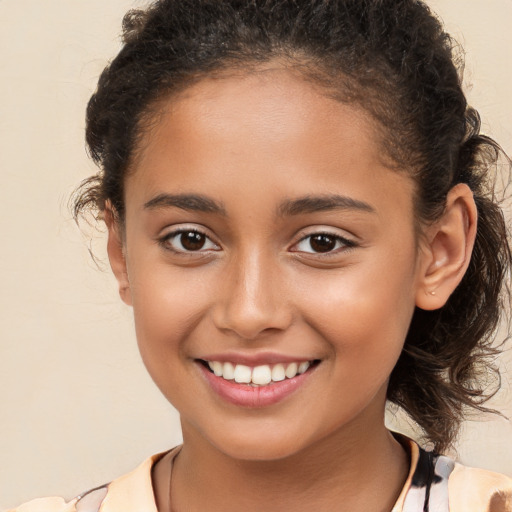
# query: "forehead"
{"type": "Point", "coordinates": [270, 103]}
{"type": "Point", "coordinates": [268, 126]}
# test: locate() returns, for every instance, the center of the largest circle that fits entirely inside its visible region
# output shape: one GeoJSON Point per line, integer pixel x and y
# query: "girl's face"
{"type": "Point", "coordinates": [263, 230]}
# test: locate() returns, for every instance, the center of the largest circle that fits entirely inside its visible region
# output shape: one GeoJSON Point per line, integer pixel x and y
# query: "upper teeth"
{"type": "Point", "coordinates": [259, 375]}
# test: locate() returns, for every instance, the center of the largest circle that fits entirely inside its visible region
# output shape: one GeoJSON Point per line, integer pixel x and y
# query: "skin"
{"type": "Point", "coordinates": [253, 143]}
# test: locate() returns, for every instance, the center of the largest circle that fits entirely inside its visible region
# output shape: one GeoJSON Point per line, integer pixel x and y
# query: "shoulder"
{"type": "Point", "coordinates": [129, 493]}
{"type": "Point", "coordinates": [479, 489]}
{"type": "Point", "coordinates": [437, 482]}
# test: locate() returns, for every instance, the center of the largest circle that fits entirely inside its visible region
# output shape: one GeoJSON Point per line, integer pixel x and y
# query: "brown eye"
{"type": "Point", "coordinates": [322, 243]}
{"type": "Point", "coordinates": [192, 240]}
{"type": "Point", "coordinates": [188, 241]}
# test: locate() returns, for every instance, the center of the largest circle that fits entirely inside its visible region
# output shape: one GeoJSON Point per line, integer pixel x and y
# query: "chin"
{"type": "Point", "coordinates": [260, 450]}
{"type": "Point", "coordinates": [262, 445]}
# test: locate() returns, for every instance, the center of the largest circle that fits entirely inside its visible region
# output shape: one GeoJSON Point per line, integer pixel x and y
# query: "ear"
{"type": "Point", "coordinates": [447, 248]}
{"type": "Point", "coordinates": [116, 254]}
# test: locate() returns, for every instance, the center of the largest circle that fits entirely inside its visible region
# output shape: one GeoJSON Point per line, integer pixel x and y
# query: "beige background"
{"type": "Point", "coordinates": [77, 407]}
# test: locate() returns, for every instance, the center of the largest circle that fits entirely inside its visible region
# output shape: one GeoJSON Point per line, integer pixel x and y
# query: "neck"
{"type": "Point", "coordinates": [355, 469]}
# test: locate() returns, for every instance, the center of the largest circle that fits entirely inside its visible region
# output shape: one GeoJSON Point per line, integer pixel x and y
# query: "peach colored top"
{"type": "Point", "coordinates": [435, 484]}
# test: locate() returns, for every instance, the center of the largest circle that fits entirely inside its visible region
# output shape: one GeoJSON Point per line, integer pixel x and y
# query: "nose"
{"type": "Point", "coordinates": [253, 300]}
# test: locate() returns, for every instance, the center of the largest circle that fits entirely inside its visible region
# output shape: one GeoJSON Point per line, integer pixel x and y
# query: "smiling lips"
{"type": "Point", "coordinates": [256, 386]}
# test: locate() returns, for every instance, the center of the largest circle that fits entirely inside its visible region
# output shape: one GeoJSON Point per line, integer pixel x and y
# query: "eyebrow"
{"type": "Point", "coordinates": [312, 204]}
{"type": "Point", "coordinates": [191, 202]}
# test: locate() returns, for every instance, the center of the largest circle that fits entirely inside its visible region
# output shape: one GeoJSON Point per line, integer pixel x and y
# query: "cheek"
{"type": "Point", "coordinates": [365, 337]}
{"type": "Point", "coordinates": [167, 304]}
{"type": "Point", "coordinates": [364, 312]}
{"type": "Point", "coordinates": [357, 302]}
{"type": "Point", "coordinates": [167, 308]}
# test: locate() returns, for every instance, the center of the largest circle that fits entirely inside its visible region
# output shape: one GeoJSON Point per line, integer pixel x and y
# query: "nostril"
{"type": "Point", "coordinates": [253, 323]}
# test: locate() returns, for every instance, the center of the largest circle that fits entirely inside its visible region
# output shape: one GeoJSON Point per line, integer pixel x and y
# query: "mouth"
{"type": "Point", "coordinates": [258, 376]}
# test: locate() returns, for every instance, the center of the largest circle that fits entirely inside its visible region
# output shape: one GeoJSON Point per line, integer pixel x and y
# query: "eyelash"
{"type": "Point", "coordinates": [341, 243]}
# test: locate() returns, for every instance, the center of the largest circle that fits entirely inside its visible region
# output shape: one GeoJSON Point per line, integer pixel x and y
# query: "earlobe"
{"type": "Point", "coordinates": [446, 252]}
{"type": "Point", "coordinates": [116, 255]}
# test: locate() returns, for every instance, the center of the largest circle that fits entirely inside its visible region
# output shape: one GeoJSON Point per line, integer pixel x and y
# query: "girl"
{"type": "Point", "coordinates": [300, 211]}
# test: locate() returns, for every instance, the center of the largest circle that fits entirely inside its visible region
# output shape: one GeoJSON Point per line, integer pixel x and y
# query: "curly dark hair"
{"type": "Point", "coordinates": [391, 58]}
